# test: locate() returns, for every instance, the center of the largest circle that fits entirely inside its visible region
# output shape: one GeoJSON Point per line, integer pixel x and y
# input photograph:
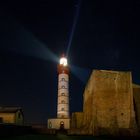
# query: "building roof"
{"type": "Point", "coordinates": [9, 109]}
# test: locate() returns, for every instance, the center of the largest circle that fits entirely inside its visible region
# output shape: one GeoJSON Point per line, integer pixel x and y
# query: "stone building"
{"type": "Point", "coordinates": [11, 115]}
{"type": "Point", "coordinates": [111, 105]}
{"type": "Point", "coordinates": [77, 120]}
{"type": "Point", "coordinates": [136, 91]}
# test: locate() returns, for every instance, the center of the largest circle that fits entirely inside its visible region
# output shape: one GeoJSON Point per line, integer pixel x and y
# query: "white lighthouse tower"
{"type": "Point", "coordinates": [63, 119]}
{"type": "Point", "coordinates": [63, 89]}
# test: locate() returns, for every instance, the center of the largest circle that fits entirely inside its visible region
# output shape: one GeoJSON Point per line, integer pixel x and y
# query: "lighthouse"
{"type": "Point", "coordinates": [62, 121]}
{"type": "Point", "coordinates": [63, 89]}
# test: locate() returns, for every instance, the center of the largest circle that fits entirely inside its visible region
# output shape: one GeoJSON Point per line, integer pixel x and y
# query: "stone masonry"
{"type": "Point", "coordinates": [110, 105]}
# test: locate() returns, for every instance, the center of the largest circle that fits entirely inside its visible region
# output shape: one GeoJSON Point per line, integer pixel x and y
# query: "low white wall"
{"type": "Point", "coordinates": [55, 123]}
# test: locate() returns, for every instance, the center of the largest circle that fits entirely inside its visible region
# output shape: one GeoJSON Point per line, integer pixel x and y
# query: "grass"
{"type": "Point", "coordinates": [63, 137]}
{"type": "Point", "coordinates": [50, 137]}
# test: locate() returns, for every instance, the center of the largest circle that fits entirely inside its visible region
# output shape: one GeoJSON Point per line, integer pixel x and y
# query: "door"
{"type": "Point", "coordinates": [61, 125]}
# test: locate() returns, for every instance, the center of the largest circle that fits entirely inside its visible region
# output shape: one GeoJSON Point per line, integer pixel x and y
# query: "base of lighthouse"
{"type": "Point", "coordinates": [57, 123]}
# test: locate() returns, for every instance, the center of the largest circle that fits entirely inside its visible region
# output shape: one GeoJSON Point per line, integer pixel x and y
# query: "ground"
{"type": "Point", "coordinates": [64, 137]}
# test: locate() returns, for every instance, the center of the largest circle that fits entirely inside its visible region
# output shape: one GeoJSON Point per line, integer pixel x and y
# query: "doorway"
{"type": "Point", "coordinates": [61, 125]}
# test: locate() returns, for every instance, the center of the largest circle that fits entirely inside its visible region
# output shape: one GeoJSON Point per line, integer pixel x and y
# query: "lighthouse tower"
{"type": "Point", "coordinates": [63, 119]}
{"type": "Point", "coordinates": [63, 89]}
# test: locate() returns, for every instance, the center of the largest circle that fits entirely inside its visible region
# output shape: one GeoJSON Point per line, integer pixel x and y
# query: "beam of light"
{"type": "Point", "coordinates": [28, 44]}
{"type": "Point", "coordinates": [73, 26]}
{"type": "Point", "coordinates": [81, 73]}
{"type": "Point", "coordinates": [19, 40]}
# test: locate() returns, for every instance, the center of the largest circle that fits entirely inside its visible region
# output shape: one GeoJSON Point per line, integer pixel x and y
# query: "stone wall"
{"type": "Point", "coordinates": [109, 106]}
{"type": "Point", "coordinates": [88, 107]}
{"type": "Point", "coordinates": [136, 92]}
{"type": "Point", "coordinates": [108, 102]}
{"type": "Point", "coordinates": [7, 117]}
{"type": "Point", "coordinates": [77, 120]}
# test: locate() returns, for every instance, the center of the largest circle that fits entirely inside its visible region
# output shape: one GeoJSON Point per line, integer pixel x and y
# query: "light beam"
{"type": "Point", "coordinates": [77, 11]}
{"type": "Point", "coordinates": [81, 73]}
{"type": "Point", "coordinates": [20, 40]}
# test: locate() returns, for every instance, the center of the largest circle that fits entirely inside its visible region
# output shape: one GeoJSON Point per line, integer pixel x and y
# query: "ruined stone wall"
{"type": "Point", "coordinates": [108, 101]}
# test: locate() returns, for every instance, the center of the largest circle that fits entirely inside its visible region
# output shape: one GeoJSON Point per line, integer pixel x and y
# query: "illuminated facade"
{"type": "Point", "coordinates": [11, 115]}
{"type": "Point", "coordinates": [63, 89]}
{"type": "Point", "coordinates": [62, 121]}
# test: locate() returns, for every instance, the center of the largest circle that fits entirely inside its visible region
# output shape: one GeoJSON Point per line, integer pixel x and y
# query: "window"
{"type": "Point", "coordinates": [62, 109]}
{"type": "Point", "coordinates": [63, 87]}
{"type": "Point", "coordinates": [1, 120]}
{"type": "Point", "coordinates": [62, 101]}
{"type": "Point", "coordinates": [63, 79]}
{"type": "Point", "coordinates": [19, 115]}
{"type": "Point", "coordinates": [63, 94]}
{"type": "Point", "coordinates": [50, 125]}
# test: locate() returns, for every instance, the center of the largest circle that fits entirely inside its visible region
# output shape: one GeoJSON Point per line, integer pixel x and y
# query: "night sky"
{"type": "Point", "coordinates": [34, 34]}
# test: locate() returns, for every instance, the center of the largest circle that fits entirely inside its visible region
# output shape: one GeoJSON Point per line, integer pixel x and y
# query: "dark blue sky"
{"type": "Point", "coordinates": [33, 34]}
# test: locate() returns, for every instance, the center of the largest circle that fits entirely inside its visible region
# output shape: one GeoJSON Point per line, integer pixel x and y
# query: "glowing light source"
{"type": "Point", "coordinates": [63, 61]}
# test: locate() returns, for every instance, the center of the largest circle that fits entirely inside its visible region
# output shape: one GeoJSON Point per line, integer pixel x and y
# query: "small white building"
{"type": "Point", "coordinates": [11, 115]}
